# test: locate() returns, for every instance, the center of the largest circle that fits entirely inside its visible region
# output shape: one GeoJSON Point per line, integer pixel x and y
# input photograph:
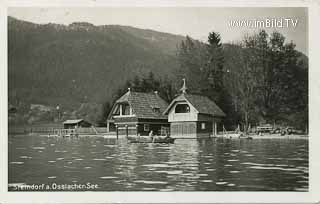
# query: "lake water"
{"type": "Point", "coordinates": [187, 165]}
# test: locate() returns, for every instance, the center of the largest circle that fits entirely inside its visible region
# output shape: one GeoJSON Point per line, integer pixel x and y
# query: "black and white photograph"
{"type": "Point", "coordinates": [160, 99]}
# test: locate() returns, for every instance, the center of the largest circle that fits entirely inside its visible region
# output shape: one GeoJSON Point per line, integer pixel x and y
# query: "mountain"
{"type": "Point", "coordinates": [71, 64]}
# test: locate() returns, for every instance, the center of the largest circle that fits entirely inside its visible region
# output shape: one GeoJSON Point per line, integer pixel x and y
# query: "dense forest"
{"type": "Point", "coordinates": [84, 68]}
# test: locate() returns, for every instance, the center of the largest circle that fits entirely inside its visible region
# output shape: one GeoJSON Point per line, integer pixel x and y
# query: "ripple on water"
{"type": "Point", "coordinates": [38, 148]}
{"type": "Point", "coordinates": [16, 162]}
{"type": "Point", "coordinates": [206, 181]}
{"type": "Point", "coordinates": [157, 165]}
{"type": "Point", "coordinates": [232, 160]}
{"type": "Point", "coordinates": [99, 159]}
{"type": "Point", "coordinates": [257, 164]}
{"type": "Point", "coordinates": [166, 189]}
{"type": "Point", "coordinates": [176, 172]}
{"type": "Point", "coordinates": [150, 182]}
{"type": "Point", "coordinates": [296, 159]}
{"type": "Point", "coordinates": [275, 158]}
{"type": "Point", "coordinates": [59, 151]}
{"type": "Point", "coordinates": [149, 189]}
{"type": "Point", "coordinates": [108, 177]}
{"type": "Point", "coordinates": [25, 157]}
{"type": "Point", "coordinates": [273, 168]}
{"type": "Point", "coordinates": [173, 162]}
{"type": "Point", "coordinates": [109, 145]}
{"type": "Point", "coordinates": [221, 182]}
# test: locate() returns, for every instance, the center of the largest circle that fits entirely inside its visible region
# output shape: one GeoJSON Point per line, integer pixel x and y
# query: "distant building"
{"type": "Point", "coordinates": [137, 113]}
{"type": "Point", "coordinates": [71, 124]}
{"type": "Point", "coordinates": [193, 116]}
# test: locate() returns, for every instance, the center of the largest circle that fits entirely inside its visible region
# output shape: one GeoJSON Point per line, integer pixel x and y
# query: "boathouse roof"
{"type": "Point", "coordinates": [145, 105]}
{"type": "Point", "coordinates": [201, 103]}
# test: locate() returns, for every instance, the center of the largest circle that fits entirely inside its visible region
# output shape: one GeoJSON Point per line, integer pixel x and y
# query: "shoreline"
{"type": "Point", "coordinates": [113, 136]}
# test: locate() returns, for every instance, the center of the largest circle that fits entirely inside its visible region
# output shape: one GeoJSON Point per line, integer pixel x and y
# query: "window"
{"type": "Point", "coordinates": [125, 109]}
{"type": "Point", "coordinates": [156, 110]}
{"type": "Point", "coordinates": [182, 108]}
{"type": "Point", "coordinates": [146, 127]}
{"type": "Point", "coordinates": [203, 126]}
{"type": "Point", "coordinates": [116, 110]}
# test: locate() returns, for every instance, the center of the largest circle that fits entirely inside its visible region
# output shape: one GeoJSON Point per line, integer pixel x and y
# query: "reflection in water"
{"type": "Point", "coordinates": [187, 165]}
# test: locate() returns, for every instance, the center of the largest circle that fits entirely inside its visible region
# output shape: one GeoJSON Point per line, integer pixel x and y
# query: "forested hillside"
{"type": "Point", "coordinates": [68, 65]}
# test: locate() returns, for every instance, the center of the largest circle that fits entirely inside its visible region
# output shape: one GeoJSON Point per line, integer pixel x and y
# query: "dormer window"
{"type": "Point", "coordinates": [182, 108]}
{"type": "Point", "coordinates": [122, 109]}
{"type": "Point", "coordinates": [156, 109]}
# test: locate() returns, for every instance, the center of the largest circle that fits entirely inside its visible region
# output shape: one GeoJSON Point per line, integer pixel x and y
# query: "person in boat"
{"type": "Point", "coordinates": [167, 136]}
{"type": "Point", "coordinates": [151, 135]}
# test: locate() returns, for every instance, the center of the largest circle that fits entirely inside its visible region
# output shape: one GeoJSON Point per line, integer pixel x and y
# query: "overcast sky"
{"type": "Point", "coordinates": [196, 22]}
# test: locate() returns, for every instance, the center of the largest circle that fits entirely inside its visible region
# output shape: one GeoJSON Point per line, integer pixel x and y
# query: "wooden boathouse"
{"type": "Point", "coordinates": [193, 116]}
{"type": "Point", "coordinates": [76, 123]}
{"type": "Point", "coordinates": [137, 113]}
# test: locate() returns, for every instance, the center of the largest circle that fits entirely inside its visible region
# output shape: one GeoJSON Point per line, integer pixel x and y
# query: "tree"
{"type": "Point", "coordinates": [269, 82]}
{"type": "Point", "coordinates": [213, 76]}
{"type": "Point", "coordinates": [106, 108]}
{"type": "Point", "coordinates": [242, 83]}
{"type": "Point", "coordinates": [192, 60]}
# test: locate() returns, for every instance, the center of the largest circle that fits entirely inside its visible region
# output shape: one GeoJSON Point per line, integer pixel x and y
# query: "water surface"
{"type": "Point", "coordinates": [187, 165]}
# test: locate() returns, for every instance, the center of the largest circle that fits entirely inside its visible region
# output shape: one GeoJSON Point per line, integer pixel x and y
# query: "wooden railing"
{"type": "Point", "coordinates": [51, 130]}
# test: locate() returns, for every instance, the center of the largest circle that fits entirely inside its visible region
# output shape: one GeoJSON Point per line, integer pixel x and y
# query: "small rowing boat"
{"type": "Point", "coordinates": [154, 139]}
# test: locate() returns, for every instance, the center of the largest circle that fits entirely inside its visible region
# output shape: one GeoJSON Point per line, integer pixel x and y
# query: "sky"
{"type": "Point", "coordinates": [196, 22]}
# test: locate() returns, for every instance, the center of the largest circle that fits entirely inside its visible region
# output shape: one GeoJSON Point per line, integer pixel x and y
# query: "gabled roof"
{"type": "Point", "coordinates": [201, 103]}
{"type": "Point", "coordinates": [143, 104]}
{"type": "Point", "coordinates": [73, 121]}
